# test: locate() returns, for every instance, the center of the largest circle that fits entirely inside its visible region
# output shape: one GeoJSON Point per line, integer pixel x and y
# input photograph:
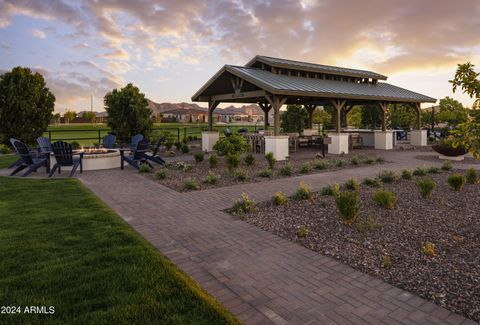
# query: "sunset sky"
{"type": "Point", "coordinates": [171, 48]}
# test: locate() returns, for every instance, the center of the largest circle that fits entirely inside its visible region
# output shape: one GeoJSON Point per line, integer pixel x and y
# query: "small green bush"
{"type": "Point", "coordinates": [169, 145]}
{"type": "Point", "coordinates": [305, 168]}
{"type": "Point", "coordinates": [199, 156]}
{"type": "Point", "coordinates": [266, 173]}
{"type": "Point", "coordinates": [472, 176]}
{"type": "Point", "coordinates": [367, 224]}
{"type": "Point", "coordinates": [191, 184]}
{"type": "Point", "coordinates": [232, 161]}
{"type": "Point", "coordinates": [279, 199]}
{"type": "Point", "coordinates": [420, 171]}
{"type": "Point", "coordinates": [183, 166]}
{"type": "Point", "coordinates": [369, 161]}
{"type": "Point", "coordinates": [171, 153]}
{"type": "Point", "coordinates": [161, 174]}
{"type": "Point", "coordinates": [447, 166]}
{"type": "Point", "coordinates": [456, 181]}
{"type": "Point", "coordinates": [372, 182]}
{"type": "Point", "coordinates": [426, 187]}
{"type": "Point", "coordinates": [352, 184]}
{"type": "Point", "coordinates": [386, 262]}
{"type": "Point", "coordinates": [302, 232]}
{"type": "Point", "coordinates": [348, 204]}
{"type": "Point", "coordinates": [340, 163]}
{"type": "Point", "coordinates": [211, 178]}
{"type": "Point", "coordinates": [243, 205]}
{"type": "Point", "coordinates": [240, 175]}
{"type": "Point", "coordinates": [270, 160]}
{"type": "Point", "coordinates": [178, 145]}
{"type": "Point", "coordinates": [407, 174]}
{"type": "Point", "coordinates": [303, 192]}
{"type": "Point", "coordinates": [385, 199]}
{"type": "Point", "coordinates": [185, 148]}
{"type": "Point", "coordinates": [434, 170]}
{"type": "Point", "coordinates": [249, 159]}
{"type": "Point", "coordinates": [355, 160]}
{"type": "Point", "coordinates": [4, 149]}
{"type": "Point", "coordinates": [213, 160]}
{"type": "Point", "coordinates": [380, 159]}
{"type": "Point", "coordinates": [286, 170]}
{"type": "Point", "coordinates": [232, 145]}
{"type": "Point", "coordinates": [332, 190]}
{"type": "Point", "coordinates": [388, 176]}
{"type": "Point", "coordinates": [144, 168]}
{"type": "Point", "coordinates": [75, 145]}
{"type": "Point", "coordinates": [320, 164]}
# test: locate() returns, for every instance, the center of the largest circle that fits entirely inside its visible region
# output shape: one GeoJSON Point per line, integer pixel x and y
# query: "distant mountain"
{"type": "Point", "coordinates": [163, 107]}
{"type": "Point", "coordinates": [97, 114]}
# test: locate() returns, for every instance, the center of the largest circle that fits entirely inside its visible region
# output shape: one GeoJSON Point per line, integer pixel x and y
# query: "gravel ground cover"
{"type": "Point", "coordinates": [177, 173]}
{"type": "Point", "coordinates": [394, 244]}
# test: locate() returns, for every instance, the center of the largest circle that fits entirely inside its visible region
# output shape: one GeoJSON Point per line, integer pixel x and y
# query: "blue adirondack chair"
{"type": "Point", "coordinates": [136, 156]}
{"type": "Point", "coordinates": [109, 140]}
{"type": "Point", "coordinates": [153, 156]}
{"type": "Point", "coordinates": [45, 149]}
{"type": "Point", "coordinates": [27, 159]}
{"type": "Point", "coordinates": [135, 140]}
{"type": "Point", "coordinates": [64, 156]}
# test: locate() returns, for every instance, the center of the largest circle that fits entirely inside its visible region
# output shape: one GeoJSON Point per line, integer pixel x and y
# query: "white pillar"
{"type": "Point", "coordinates": [418, 137]}
{"type": "Point", "coordinates": [339, 143]}
{"type": "Point", "coordinates": [209, 138]}
{"type": "Point", "coordinates": [278, 145]}
{"type": "Point", "coordinates": [383, 140]}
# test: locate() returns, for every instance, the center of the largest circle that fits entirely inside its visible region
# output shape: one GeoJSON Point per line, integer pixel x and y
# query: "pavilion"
{"type": "Point", "coordinates": [273, 82]}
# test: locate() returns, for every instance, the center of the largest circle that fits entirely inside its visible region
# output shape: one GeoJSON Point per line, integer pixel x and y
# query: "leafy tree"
{"type": "Point", "coordinates": [402, 116]}
{"type": "Point", "coordinates": [354, 117]}
{"type": "Point", "coordinates": [468, 80]}
{"type": "Point", "coordinates": [371, 116]}
{"type": "Point", "coordinates": [321, 116]}
{"type": "Point", "coordinates": [128, 112]}
{"type": "Point", "coordinates": [451, 112]}
{"type": "Point", "coordinates": [69, 116]}
{"type": "Point", "coordinates": [57, 117]}
{"type": "Point", "coordinates": [294, 119]}
{"type": "Point", "coordinates": [26, 105]}
{"type": "Point", "coordinates": [89, 116]}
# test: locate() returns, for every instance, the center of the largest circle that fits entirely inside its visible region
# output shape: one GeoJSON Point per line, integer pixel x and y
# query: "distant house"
{"type": "Point", "coordinates": [185, 115]}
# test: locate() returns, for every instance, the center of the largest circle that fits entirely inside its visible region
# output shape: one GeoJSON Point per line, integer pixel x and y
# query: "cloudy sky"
{"type": "Point", "coordinates": [170, 48]}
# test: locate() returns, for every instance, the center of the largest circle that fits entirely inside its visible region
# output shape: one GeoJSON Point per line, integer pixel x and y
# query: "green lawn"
{"type": "Point", "coordinates": [61, 246]}
{"type": "Point", "coordinates": [7, 160]}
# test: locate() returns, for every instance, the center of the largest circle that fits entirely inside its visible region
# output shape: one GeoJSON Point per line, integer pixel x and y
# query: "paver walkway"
{"type": "Point", "coordinates": [260, 277]}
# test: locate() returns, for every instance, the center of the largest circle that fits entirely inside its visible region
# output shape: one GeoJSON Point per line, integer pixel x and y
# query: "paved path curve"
{"type": "Point", "coordinates": [260, 277]}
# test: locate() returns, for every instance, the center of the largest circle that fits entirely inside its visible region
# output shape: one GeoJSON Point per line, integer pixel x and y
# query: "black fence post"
{"type": "Point", "coordinates": [184, 133]}
{"type": "Point", "coordinates": [178, 134]}
{"type": "Point", "coordinates": [99, 140]}
{"type": "Point", "coordinates": [50, 135]}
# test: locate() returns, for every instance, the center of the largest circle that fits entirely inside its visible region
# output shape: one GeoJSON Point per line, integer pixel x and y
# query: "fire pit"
{"type": "Point", "coordinates": [100, 158]}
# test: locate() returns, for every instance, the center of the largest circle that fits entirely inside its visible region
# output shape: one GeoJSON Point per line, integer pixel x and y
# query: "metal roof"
{"type": "Point", "coordinates": [301, 86]}
{"type": "Point", "coordinates": [313, 67]}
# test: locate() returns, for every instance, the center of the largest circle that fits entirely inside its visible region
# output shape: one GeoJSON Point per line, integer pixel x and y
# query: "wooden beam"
{"type": "Point", "coordinates": [338, 104]}
{"type": "Point", "coordinates": [246, 94]}
{"type": "Point", "coordinates": [345, 111]}
{"type": "Point", "coordinates": [266, 107]}
{"type": "Point", "coordinates": [310, 108]}
{"type": "Point", "coordinates": [419, 115]}
{"type": "Point", "coordinates": [211, 107]}
{"type": "Point", "coordinates": [276, 102]}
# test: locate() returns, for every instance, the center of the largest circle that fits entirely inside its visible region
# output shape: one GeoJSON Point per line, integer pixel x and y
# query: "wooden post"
{"type": "Point", "coordinates": [419, 116]}
{"type": "Point", "coordinates": [384, 108]}
{"type": "Point", "coordinates": [346, 110]}
{"type": "Point", "coordinates": [338, 105]}
{"type": "Point", "coordinates": [310, 109]}
{"type": "Point", "coordinates": [276, 103]}
{"type": "Point", "coordinates": [265, 108]}
{"type": "Point", "coordinates": [211, 107]}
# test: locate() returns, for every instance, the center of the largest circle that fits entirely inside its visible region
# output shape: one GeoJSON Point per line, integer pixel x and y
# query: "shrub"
{"type": "Point", "coordinates": [446, 148]}
{"type": "Point", "coordinates": [265, 173]}
{"type": "Point", "coordinates": [434, 170]}
{"type": "Point", "coordinates": [213, 161]}
{"type": "Point", "coordinates": [426, 187]}
{"type": "Point", "coordinates": [4, 149]}
{"type": "Point", "coordinates": [372, 182]}
{"type": "Point", "coordinates": [333, 190]}
{"type": "Point", "coordinates": [407, 174]}
{"type": "Point", "coordinates": [354, 160]}
{"type": "Point", "coordinates": [380, 159]}
{"type": "Point", "coordinates": [348, 204]}
{"type": "Point", "coordinates": [428, 249]}
{"type": "Point", "coordinates": [144, 168]}
{"type": "Point", "coordinates": [232, 161]}
{"type": "Point", "coordinates": [387, 261]}
{"type": "Point", "coordinates": [352, 184]}
{"type": "Point", "coordinates": [369, 161]}
{"type": "Point", "coordinates": [270, 160]}
{"type": "Point", "coordinates": [183, 166]}
{"type": "Point", "coordinates": [320, 164]}
{"type": "Point", "coordinates": [211, 178]}
{"type": "Point", "coordinates": [367, 224]}
{"type": "Point", "coordinates": [385, 199]}
{"type": "Point", "coordinates": [199, 157]}
{"type": "Point", "coordinates": [249, 159]}
{"type": "Point", "coordinates": [420, 171]}
{"type": "Point", "coordinates": [286, 170]}
{"type": "Point", "coordinates": [171, 154]}
{"type": "Point", "coordinates": [447, 166]}
{"type": "Point", "coordinates": [456, 181]}
{"type": "Point", "coordinates": [240, 175]}
{"type": "Point", "coordinates": [279, 199]}
{"type": "Point", "coordinates": [302, 232]}
{"type": "Point", "coordinates": [169, 145]}
{"type": "Point", "coordinates": [185, 148]}
{"type": "Point", "coordinates": [388, 176]}
{"type": "Point", "coordinates": [178, 145]}
{"type": "Point", "coordinates": [161, 174]}
{"type": "Point", "coordinates": [472, 176]}
{"type": "Point", "coordinates": [235, 144]}
{"type": "Point", "coordinates": [340, 163]}
{"type": "Point", "coordinates": [303, 192]}
{"type": "Point", "coordinates": [75, 145]}
{"type": "Point", "coordinates": [305, 168]}
{"type": "Point", "coordinates": [191, 184]}
{"type": "Point", "coordinates": [243, 204]}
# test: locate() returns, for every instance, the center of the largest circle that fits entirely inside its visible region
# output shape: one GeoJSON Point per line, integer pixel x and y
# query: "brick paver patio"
{"type": "Point", "coordinates": [260, 277]}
